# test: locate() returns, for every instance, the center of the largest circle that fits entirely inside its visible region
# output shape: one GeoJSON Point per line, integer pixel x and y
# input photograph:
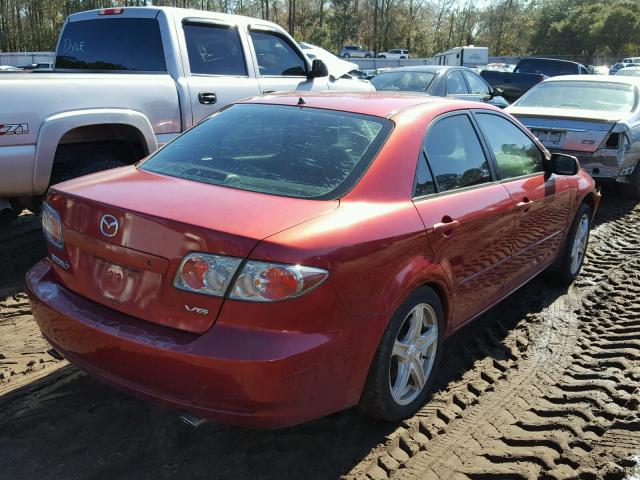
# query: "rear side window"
{"type": "Point", "coordinates": [131, 44]}
{"type": "Point", "coordinates": [546, 67]}
{"type": "Point", "coordinates": [275, 149]}
{"type": "Point", "coordinates": [275, 56]}
{"type": "Point", "coordinates": [515, 153]}
{"type": "Point", "coordinates": [214, 50]}
{"type": "Point", "coordinates": [455, 155]}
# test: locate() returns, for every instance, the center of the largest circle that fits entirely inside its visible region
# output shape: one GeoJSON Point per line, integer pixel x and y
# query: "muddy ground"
{"type": "Point", "coordinates": [544, 386]}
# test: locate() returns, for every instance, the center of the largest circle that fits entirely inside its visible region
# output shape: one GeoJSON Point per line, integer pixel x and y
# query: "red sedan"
{"type": "Point", "coordinates": [292, 256]}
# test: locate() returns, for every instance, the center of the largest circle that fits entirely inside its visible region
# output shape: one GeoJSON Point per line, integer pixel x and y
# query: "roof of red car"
{"type": "Point", "coordinates": [380, 104]}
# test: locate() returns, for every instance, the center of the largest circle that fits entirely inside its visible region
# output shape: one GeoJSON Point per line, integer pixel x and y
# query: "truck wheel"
{"type": "Point", "coordinates": [80, 167]}
{"type": "Point", "coordinates": [401, 375]}
{"type": "Point", "coordinates": [565, 270]}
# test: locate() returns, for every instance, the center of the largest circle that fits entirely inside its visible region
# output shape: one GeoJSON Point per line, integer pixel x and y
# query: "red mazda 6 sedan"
{"type": "Point", "coordinates": [292, 256]}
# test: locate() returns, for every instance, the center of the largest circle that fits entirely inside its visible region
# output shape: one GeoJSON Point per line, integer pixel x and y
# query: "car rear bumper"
{"type": "Point", "coordinates": [236, 375]}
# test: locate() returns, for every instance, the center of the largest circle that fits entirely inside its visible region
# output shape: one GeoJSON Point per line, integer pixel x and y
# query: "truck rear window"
{"type": "Point", "coordinates": [548, 68]}
{"type": "Point", "coordinates": [275, 149]}
{"type": "Point", "coordinates": [131, 44]}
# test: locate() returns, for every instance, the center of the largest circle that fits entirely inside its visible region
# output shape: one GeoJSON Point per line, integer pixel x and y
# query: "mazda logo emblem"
{"type": "Point", "coordinates": [109, 225]}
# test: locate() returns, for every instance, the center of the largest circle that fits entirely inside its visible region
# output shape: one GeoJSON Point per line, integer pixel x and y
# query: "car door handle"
{"type": "Point", "coordinates": [446, 228]}
{"type": "Point", "coordinates": [207, 98]}
{"type": "Point", "coordinates": [269, 91]}
{"type": "Point", "coordinates": [524, 205]}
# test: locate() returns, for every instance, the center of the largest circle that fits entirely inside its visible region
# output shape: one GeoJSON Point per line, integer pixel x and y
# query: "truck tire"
{"type": "Point", "coordinates": [394, 389]}
{"type": "Point", "coordinates": [81, 167]}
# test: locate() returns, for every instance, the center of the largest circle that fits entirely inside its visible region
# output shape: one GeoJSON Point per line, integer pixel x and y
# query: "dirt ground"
{"type": "Point", "coordinates": [544, 386]}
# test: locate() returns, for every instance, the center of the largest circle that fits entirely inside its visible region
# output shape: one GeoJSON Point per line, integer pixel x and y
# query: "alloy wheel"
{"type": "Point", "coordinates": [414, 353]}
{"type": "Point", "coordinates": [579, 247]}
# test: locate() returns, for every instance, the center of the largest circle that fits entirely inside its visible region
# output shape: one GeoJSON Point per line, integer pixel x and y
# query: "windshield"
{"type": "Point", "coordinates": [604, 96]}
{"type": "Point", "coordinates": [132, 44]}
{"type": "Point", "coordinates": [403, 81]}
{"type": "Point", "coordinates": [546, 67]}
{"type": "Point", "coordinates": [280, 150]}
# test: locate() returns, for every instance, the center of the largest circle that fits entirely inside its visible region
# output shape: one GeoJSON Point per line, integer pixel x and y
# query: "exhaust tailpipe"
{"type": "Point", "coordinates": [192, 420]}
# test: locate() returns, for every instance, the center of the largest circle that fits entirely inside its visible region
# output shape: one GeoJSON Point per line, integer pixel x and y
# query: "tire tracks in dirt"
{"type": "Point", "coordinates": [557, 408]}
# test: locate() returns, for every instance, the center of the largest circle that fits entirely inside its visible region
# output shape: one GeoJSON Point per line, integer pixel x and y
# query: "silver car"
{"type": "Point", "coordinates": [349, 51]}
{"type": "Point", "coordinates": [594, 117]}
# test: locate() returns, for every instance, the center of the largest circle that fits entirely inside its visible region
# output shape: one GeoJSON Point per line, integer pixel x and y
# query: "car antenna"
{"type": "Point", "coordinates": [301, 101]}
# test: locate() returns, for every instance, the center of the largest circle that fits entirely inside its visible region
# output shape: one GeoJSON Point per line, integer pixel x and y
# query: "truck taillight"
{"type": "Point", "coordinates": [52, 226]}
{"type": "Point", "coordinates": [112, 11]}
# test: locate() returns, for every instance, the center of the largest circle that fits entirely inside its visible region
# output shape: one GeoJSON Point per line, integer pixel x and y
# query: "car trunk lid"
{"type": "Point", "coordinates": [126, 232]}
{"type": "Point", "coordinates": [568, 129]}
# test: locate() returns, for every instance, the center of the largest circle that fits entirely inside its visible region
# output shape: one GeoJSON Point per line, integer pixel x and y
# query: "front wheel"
{"type": "Point", "coordinates": [634, 187]}
{"type": "Point", "coordinates": [401, 375]}
{"type": "Point", "coordinates": [367, 56]}
{"type": "Point", "coordinates": [346, 55]}
{"type": "Point", "coordinates": [575, 249]}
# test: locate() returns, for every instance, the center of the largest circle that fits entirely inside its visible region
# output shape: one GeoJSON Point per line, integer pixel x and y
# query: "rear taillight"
{"type": "Point", "coordinates": [112, 11]}
{"type": "Point", "coordinates": [206, 273]}
{"type": "Point", "coordinates": [268, 282]}
{"type": "Point", "coordinates": [52, 226]}
{"type": "Point", "coordinates": [257, 282]}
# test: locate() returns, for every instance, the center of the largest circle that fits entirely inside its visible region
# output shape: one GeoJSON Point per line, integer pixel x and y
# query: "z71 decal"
{"type": "Point", "coordinates": [14, 129]}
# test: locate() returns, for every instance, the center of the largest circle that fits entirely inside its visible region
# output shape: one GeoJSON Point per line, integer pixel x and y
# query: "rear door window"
{"type": "Point", "coordinates": [515, 153]}
{"type": "Point", "coordinates": [127, 44]}
{"type": "Point", "coordinates": [455, 154]}
{"type": "Point", "coordinates": [275, 56]}
{"type": "Point", "coordinates": [214, 50]}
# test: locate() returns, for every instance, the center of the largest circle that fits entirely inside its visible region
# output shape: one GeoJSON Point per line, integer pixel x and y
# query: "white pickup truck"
{"type": "Point", "coordinates": [128, 80]}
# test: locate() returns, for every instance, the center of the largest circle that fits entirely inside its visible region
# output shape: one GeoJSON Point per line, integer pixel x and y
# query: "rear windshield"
{"type": "Point", "coordinates": [280, 150]}
{"type": "Point", "coordinates": [403, 81]}
{"type": "Point", "coordinates": [604, 96]}
{"type": "Point", "coordinates": [131, 44]}
{"type": "Point", "coordinates": [546, 67]}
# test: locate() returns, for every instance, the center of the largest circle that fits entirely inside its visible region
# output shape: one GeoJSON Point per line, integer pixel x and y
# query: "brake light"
{"type": "Point", "coordinates": [206, 273]}
{"type": "Point", "coordinates": [112, 11]}
{"type": "Point", "coordinates": [257, 282]}
{"type": "Point", "coordinates": [268, 282]}
{"type": "Point", "coordinates": [52, 226]}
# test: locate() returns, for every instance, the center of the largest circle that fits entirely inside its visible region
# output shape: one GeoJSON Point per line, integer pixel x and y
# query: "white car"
{"type": "Point", "coordinates": [396, 53]}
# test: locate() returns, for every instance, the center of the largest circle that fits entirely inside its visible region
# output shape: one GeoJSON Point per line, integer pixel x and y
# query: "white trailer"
{"type": "Point", "coordinates": [467, 56]}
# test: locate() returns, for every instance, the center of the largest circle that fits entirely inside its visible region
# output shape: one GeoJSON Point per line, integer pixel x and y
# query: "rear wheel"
{"type": "Point", "coordinates": [401, 375]}
{"type": "Point", "coordinates": [346, 55]}
{"type": "Point", "coordinates": [367, 56]}
{"type": "Point", "coordinates": [634, 187]}
{"type": "Point", "coordinates": [80, 167]}
{"type": "Point", "coordinates": [568, 266]}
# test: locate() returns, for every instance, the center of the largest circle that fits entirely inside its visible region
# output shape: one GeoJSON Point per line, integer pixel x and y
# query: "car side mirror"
{"type": "Point", "coordinates": [318, 69]}
{"type": "Point", "coordinates": [562, 164]}
{"type": "Point", "coordinates": [496, 92]}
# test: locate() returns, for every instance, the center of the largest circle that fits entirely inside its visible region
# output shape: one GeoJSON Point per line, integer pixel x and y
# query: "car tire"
{"type": "Point", "coordinates": [402, 57]}
{"type": "Point", "coordinates": [346, 55]}
{"type": "Point", "coordinates": [567, 267]}
{"type": "Point", "coordinates": [412, 342]}
{"type": "Point", "coordinates": [367, 56]}
{"type": "Point", "coordinates": [633, 189]}
{"type": "Point", "coordinates": [382, 56]}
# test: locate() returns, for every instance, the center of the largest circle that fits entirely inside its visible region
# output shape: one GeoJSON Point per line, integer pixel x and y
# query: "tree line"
{"type": "Point", "coordinates": [581, 29]}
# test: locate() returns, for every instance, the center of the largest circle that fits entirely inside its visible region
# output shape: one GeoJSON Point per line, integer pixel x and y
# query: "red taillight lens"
{"type": "Point", "coordinates": [206, 273]}
{"type": "Point", "coordinates": [52, 226]}
{"type": "Point", "coordinates": [268, 282]}
{"type": "Point", "coordinates": [193, 272]}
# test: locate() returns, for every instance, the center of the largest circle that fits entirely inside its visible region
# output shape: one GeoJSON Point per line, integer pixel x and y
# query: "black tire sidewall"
{"type": "Point", "coordinates": [377, 398]}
